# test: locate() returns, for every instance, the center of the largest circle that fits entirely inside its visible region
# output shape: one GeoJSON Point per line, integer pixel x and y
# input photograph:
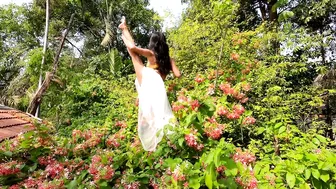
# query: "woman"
{"type": "Point", "coordinates": [154, 108]}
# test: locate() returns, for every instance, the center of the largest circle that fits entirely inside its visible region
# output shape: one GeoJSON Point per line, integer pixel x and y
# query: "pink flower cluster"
{"type": "Point", "coordinates": [237, 111]}
{"type": "Point", "coordinates": [249, 120]}
{"type": "Point", "coordinates": [112, 142]}
{"type": "Point", "coordinates": [211, 89]}
{"type": "Point", "coordinates": [199, 78]}
{"type": "Point", "coordinates": [213, 129]}
{"type": "Point", "coordinates": [183, 101]}
{"type": "Point", "coordinates": [100, 170]}
{"type": "Point", "coordinates": [177, 107]}
{"type": "Point", "coordinates": [91, 140]}
{"type": "Point", "coordinates": [245, 158]}
{"type": "Point", "coordinates": [252, 183]}
{"type": "Point", "coordinates": [54, 170]}
{"type": "Point", "coordinates": [178, 175]}
{"type": "Point", "coordinates": [191, 140]}
{"type": "Point", "coordinates": [221, 169]}
{"type": "Point", "coordinates": [9, 168]}
{"type": "Point", "coordinates": [134, 185]}
{"type": "Point", "coordinates": [228, 90]}
{"type": "Point", "coordinates": [31, 183]}
{"type": "Point", "coordinates": [246, 86]}
{"type": "Point", "coordinates": [121, 124]}
{"type": "Point", "coordinates": [60, 151]}
{"type": "Point", "coordinates": [194, 104]}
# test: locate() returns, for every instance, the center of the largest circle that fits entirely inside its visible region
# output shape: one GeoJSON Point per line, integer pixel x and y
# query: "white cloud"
{"type": "Point", "coordinates": [169, 10]}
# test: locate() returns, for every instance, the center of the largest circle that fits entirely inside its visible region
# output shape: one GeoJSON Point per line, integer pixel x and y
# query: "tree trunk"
{"type": "Point", "coordinates": [45, 44]}
{"type": "Point", "coordinates": [273, 14]}
{"type": "Point", "coordinates": [36, 101]}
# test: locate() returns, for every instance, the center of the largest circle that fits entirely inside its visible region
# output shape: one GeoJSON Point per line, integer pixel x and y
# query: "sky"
{"type": "Point", "coordinates": [170, 10]}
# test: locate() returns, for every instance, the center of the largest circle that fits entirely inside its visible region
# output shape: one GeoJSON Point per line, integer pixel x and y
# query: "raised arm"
{"type": "Point", "coordinates": [143, 52]}
{"type": "Point", "coordinates": [175, 69]}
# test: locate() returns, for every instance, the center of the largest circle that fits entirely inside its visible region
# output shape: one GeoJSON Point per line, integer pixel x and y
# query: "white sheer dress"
{"type": "Point", "coordinates": [154, 109]}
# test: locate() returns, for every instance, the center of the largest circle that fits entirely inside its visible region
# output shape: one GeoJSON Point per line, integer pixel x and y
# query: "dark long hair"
{"type": "Point", "coordinates": [158, 45]}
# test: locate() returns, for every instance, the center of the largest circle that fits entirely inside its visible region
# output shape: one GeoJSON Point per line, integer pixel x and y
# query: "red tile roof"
{"type": "Point", "coordinates": [13, 122]}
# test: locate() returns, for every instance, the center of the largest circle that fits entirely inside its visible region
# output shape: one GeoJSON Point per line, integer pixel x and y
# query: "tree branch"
{"type": "Point", "coordinates": [36, 101]}
{"type": "Point", "coordinates": [74, 46]}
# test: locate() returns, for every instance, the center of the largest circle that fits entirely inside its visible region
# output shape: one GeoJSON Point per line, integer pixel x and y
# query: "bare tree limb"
{"type": "Point", "coordinates": [36, 101]}
{"type": "Point", "coordinates": [74, 46]}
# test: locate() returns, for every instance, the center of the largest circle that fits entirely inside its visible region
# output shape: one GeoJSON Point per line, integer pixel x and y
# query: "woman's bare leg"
{"type": "Point", "coordinates": [136, 60]}
{"type": "Point", "coordinates": [125, 31]}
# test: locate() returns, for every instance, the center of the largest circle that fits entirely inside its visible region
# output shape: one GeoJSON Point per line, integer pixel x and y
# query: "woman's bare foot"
{"type": "Point", "coordinates": [122, 25]}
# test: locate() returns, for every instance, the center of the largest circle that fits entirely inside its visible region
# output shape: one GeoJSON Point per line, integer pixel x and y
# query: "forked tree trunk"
{"type": "Point", "coordinates": [36, 101]}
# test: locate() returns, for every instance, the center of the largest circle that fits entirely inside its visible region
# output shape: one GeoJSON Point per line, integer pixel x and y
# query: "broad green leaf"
{"type": "Point", "coordinates": [325, 177]}
{"type": "Point", "coordinates": [277, 125]}
{"type": "Point", "coordinates": [217, 157]}
{"type": "Point", "coordinates": [316, 173]}
{"type": "Point", "coordinates": [8, 153]}
{"type": "Point", "coordinates": [194, 183]}
{"type": "Point", "coordinates": [282, 129]}
{"type": "Point", "coordinates": [307, 173]}
{"type": "Point", "coordinates": [33, 168]}
{"type": "Point", "coordinates": [327, 166]}
{"type": "Point", "coordinates": [304, 186]}
{"type": "Point", "coordinates": [290, 178]}
{"type": "Point", "coordinates": [321, 138]}
{"type": "Point", "coordinates": [200, 117]}
{"type": "Point", "coordinates": [180, 141]}
{"type": "Point", "coordinates": [73, 184]}
{"type": "Point", "coordinates": [210, 158]}
{"type": "Point", "coordinates": [316, 141]}
{"type": "Point", "coordinates": [190, 118]}
{"type": "Point", "coordinates": [260, 130]}
{"type": "Point", "coordinates": [209, 175]}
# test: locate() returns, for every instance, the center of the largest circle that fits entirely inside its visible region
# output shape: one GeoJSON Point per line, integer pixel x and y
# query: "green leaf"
{"type": "Point", "coordinates": [260, 130]}
{"type": "Point", "coordinates": [217, 157]}
{"type": "Point", "coordinates": [209, 175]}
{"type": "Point", "coordinates": [194, 183]}
{"type": "Point", "coordinates": [282, 129]}
{"type": "Point", "coordinates": [304, 186]}
{"type": "Point", "coordinates": [327, 166]}
{"type": "Point", "coordinates": [277, 125]}
{"type": "Point", "coordinates": [180, 141]}
{"type": "Point", "coordinates": [210, 105]}
{"type": "Point", "coordinates": [290, 178]}
{"type": "Point", "coordinates": [325, 177]}
{"type": "Point", "coordinates": [200, 117]}
{"type": "Point", "coordinates": [316, 141]}
{"type": "Point", "coordinates": [321, 138]}
{"type": "Point", "coordinates": [103, 185]}
{"type": "Point", "coordinates": [285, 15]}
{"type": "Point", "coordinates": [33, 168]}
{"type": "Point", "coordinates": [73, 184]}
{"type": "Point", "coordinates": [307, 173]}
{"type": "Point", "coordinates": [190, 118]}
{"type": "Point", "coordinates": [210, 158]}
{"type": "Point", "coordinates": [232, 169]}
{"type": "Point", "coordinates": [8, 153]}
{"type": "Point", "coordinates": [316, 173]}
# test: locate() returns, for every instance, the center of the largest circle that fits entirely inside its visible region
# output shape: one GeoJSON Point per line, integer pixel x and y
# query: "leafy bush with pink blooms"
{"type": "Point", "coordinates": [239, 125]}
